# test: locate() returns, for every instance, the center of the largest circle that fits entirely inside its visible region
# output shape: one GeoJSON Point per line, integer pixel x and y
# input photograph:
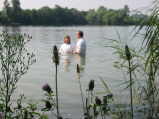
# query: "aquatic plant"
{"type": "Point", "coordinates": [128, 56]}
{"type": "Point", "coordinates": [49, 100]}
{"type": "Point", "coordinates": [26, 110]}
{"type": "Point", "coordinates": [81, 91]}
{"type": "Point", "coordinates": [150, 43]}
{"type": "Point", "coordinates": [146, 66]}
{"type": "Point", "coordinates": [131, 62]}
{"type": "Point", "coordinates": [56, 61]}
{"type": "Point", "coordinates": [15, 61]}
{"type": "Point", "coordinates": [47, 88]}
{"type": "Point", "coordinates": [97, 107]}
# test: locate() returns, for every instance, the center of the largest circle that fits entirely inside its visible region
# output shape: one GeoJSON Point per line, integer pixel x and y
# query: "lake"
{"type": "Point", "coordinates": [98, 64]}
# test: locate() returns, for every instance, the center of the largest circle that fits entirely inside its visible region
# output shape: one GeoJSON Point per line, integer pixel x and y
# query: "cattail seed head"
{"type": "Point", "coordinates": [98, 101]}
{"type": "Point", "coordinates": [25, 114]}
{"type": "Point", "coordinates": [47, 88]}
{"type": "Point", "coordinates": [127, 52]}
{"type": "Point", "coordinates": [19, 107]}
{"type": "Point", "coordinates": [78, 69]}
{"type": "Point", "coordinates": [48, 105]}
{"type": "Point", "coordinates": [110, 95]}
{"type": "Point", "coordinates": [107, 97]}
{"type": "Point", "coordinates": [105, 100]}
{"type": "Point", "coordinates": [55, 55]}
{"type": "Point", "coordinates": [60, 117]}
{"type": "Point", "coordinates": [91, 85]}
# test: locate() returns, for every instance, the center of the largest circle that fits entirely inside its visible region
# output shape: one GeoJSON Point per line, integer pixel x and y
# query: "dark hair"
{"type": "Point", "coordinates": [81, 33]}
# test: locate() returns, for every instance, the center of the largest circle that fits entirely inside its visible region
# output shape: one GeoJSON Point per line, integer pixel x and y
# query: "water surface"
{"type": "Point", "coordinates": [98, 64]}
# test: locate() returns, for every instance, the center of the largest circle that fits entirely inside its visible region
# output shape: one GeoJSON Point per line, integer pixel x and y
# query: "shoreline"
{"type": "Point", "coordinates": [69, 26]}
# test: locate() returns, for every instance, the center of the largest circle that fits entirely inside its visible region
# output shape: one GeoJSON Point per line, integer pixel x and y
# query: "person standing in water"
{"type": "Point", "coordinates": [66, 47]}
{"type": "Point", "coordinates": [65, 51]}
{"type": "Point", "coordinates": [80, 47]}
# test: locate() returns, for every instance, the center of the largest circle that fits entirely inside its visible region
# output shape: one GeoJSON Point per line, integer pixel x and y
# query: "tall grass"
{"type": "Point", "coordinates": [151, 44]}
{"type": "Point", "coordinates": [147, 65]}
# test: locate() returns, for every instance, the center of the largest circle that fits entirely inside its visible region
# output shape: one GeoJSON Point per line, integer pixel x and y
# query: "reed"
{"type": "Point", "coordinates": [150, 43]}
{"type": "Point", "coordinates": [128, 56]}
{"type": "Point", "coordinates": [81, 91]}
{"type": "Point", "coordinates": [56, 62]}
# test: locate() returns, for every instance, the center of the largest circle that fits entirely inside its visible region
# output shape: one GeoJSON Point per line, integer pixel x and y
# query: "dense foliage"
{"type": "Point", "coordinates": [13, 14]}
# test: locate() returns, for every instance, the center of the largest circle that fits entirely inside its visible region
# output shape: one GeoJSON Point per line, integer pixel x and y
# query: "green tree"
{"type": "Point", "coordinates": [91, 17]}
{"type": "Point", "coordinates": [16, 11]}
{"type": "Point", "coordinates": [16, 5]}
{"type": "Point", "coordinates": [6, 7]}
{"type": "Point", "coordinates": [6, 12]}
{"type": "Point", "coordinates": [100, 13]}
{"type": "Point", "coordinates": [60, 16]}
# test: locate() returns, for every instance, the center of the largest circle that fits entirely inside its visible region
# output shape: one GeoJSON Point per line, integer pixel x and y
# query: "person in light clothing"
{"type": "Point", "coordinates": [66, 51]}
{"type": "Point", "coordinates": [81, 44]}
{"type": "Point", "coordinates": [66, 47]}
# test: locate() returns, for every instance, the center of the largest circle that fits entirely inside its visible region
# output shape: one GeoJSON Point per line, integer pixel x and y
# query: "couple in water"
{"type": "Point", "coordinates": [80, 47]}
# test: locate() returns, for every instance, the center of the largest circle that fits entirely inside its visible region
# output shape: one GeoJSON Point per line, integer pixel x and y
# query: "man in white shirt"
{"type": "Point", "coordinates": [81, 44]}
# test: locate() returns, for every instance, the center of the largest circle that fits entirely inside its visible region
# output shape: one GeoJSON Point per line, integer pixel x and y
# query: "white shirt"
{"type": "Point", "coordinates": [81, 46]}
{"type": "Point", "coordinates": [66, 49]}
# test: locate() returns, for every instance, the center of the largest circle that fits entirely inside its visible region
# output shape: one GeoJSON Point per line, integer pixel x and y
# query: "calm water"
{"type": "Point", "coordinates": [98, 64]}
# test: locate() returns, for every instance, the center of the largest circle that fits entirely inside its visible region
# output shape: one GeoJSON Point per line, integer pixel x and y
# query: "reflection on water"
{"type": "Point", "coordinates": [66, 61]}
{"type": "Point", "coordinates": [81, 60]}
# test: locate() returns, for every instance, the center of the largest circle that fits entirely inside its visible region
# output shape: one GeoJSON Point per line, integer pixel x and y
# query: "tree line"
{"type": "Point", "coordinates": [13, 14]}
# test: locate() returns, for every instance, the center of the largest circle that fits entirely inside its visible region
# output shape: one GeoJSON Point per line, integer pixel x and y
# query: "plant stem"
{"type": "Point", "coordinates": [57, 105]}
{"type": "Point", "coordinates": [87, 107]}
{"type": "Point", "coordinates": [7, 85]}
{"type": "Point", "coordinates": [91, 97]}
{"type": "Point", "coordinates": [131, 91]}
{"type": "Point", "coordinates": [82, 97]}
{"type": "Point", "coordinates": [101, 112]}
{"type": "Point", "coordinates": [6, 98]}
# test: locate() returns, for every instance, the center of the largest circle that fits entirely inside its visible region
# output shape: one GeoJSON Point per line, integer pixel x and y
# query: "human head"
{"type": "Point", "coordinates": [80, 34]}
{"type": "Point", "coordinates": [67, 39]}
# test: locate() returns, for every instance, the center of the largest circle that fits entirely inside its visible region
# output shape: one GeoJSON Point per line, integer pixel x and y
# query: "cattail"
{"type": "Point", "coordinates": [98, 101]}
{"type": "Point", "coordinates": [55, 55]}
{"type": "Point", "coordinates": [128, 56]}
{"type": "Point", "coordinates": [26, 114]}
{"type": "Point", "coordinates": [78, 69]}
{"type": "Point", "coordinates": [19, 107]}
{"type": "Point", "coordinates": [91, 85]}
{"type": "Point", "coordinates": [48, 105]}
{"type": "Point", "coordinates": [60, 117]}
{"type": "Point", "coordinates": [127, 53]}
{"type": "Point", "coordinates": [105, 100]}
{"type": "Point", "coordinates": [47, 88]}
{"type": "Point", "coordinates": [109, 96]}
